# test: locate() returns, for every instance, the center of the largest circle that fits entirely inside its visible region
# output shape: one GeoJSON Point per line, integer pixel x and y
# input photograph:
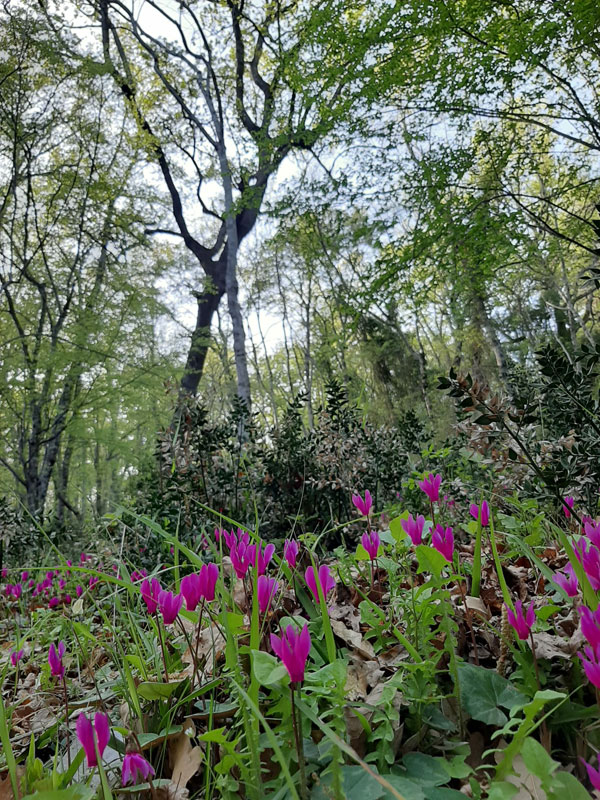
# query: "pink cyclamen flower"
{"type": "Point", "coordinates": [135, 769]}
{"type": "Point", "coordinates": [16, 656]}
{"type": "Point", "coordinates": [4, 572]}
{"type": "Point", "coordinates": [370, 541]}
{"type": "Point", "coordinates": [55, 657]}
{"type": "Point", "coordinates": [53, 602]}
{"type": "Point", "coordinates": [431, 486]}
{"type": "Point", "coordinates": [24, 576]}
{"type": "Point", "coordinates": [290, 552]}
{"type": "Point", "coordinates": [324, 578]}
{"type": "Point", "coordinates": [591, 566]}
{"type": "Point", "coordinates": [200, 585]}
{"type": "Point", "coordinates": [591, 666]}
{"type": "Point", "coordinates": [521, 623]}
{"type": "Point", "coordinates": [593, 774]}
{"type": "Point", "coordinates": [592, 531]}
{"type": "Point", "coordinates": [169, 605]}
{"type": "Point", "coordinates": [567, 580]}
{"type": "Point", "coordinates": [150, 591]}
{"type": "Point", "coordinates": [442, 540]}
{"type": "Point", "coordinates": [89, 736]}
{"type": "Point", "coordinates": [414, 528]}
{"type": "Point", "coordinates": [293, 649]}
{"type": "Point", "coordinates": [590, 626]}
{"type": "Point", "coordinates": [263, 557]}
{"type": "Point", "coordinates": [243, 556]}
{"type": "Point", "coordinates": [580, 546]}
{"type": "Point", "coordinates": [17, 591]}
{"type": "Point", "coordinates": [480, 513]}
{"type": "Point", "coordinates": [568, 506]}
{"type": "Point", "coordinates": [79, 590]}
{"type": "Point", "coordinates": [266, 589]}
{"type": "Point", "coordinates": [363, 506]}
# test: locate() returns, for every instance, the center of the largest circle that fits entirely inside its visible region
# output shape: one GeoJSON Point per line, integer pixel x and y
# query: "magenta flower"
{"type": "Point", "coordinates": [17, 591]}
{"type": "Point", "coordinates": [290, 552]}
{"type": "Point", "coordinates": [324, 578]}
{"type": "Point", "coordinates": [243, 556]}
{"type": "Point", "coordinates": [209, 575]}
{"type": "Point", "coordinates": [414, 528]}
{"type": "Point", "coordinates": [150, 591]}
{"type": "Point", "coordinates": [593, 774]}
{"type": "Point", "coordinates": [4, 572]}
{"type": "Point", "coordinates": [591, 566]}
{"type": "Point", "coordinates": [79, 590]}
{"type": "Point", "coordinates": [16, 656]}
{"type": "Point", "coordinates": [200, 585]}
{"type": "Point", "coordinates": [431, 487]}
{"type": "Point", "coordinates": [55, 660]}
{"type": "Point", "coordinates": [592, 531]}
{"type": "Point", "coordinates": [135, 769]}
{"type": "Point", "coordinates": [293, 649]}
{"type": "Point", "coordinates": [363, 506]}
{"type": "Point", "coordinates": [567, 580]}
{"type": "Point", "coordinates": [88, 736]}
{"type": "Point", "coordinates": [580, 547]}
{"type": "Point", "coordinates": [370, 541]}
{"type": "Point", "coordinates": [591, 665]}
{"type": "Point", "coordinates": [263, 557]}
{"type": "Point", "coordinates": [266, 589]}
{"type": "Point", "coordinates": [443, 541]}
{"type": "Point", "coordinates": [482, 514]}
{"type": "Point", "coordinates": [568, 506]}
{"type": "Point", "coordinates": [169, 605]}
{"type": "Point", "coordinates": [590, 626]}
{"type": "Point", "coordinates": [53, 602]}
{"type": "Point", "coordinates": [24, 576]}
{"type": "Point", "coordinates": [522, 624]}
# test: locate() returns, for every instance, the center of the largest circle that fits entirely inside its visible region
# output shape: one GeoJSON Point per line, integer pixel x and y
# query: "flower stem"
{"type": "Point", "coordinates": [299, 746]}
{"type": "Point", "coordinates": [162, 646]}
{"type": "Point", "coordinates": [64, 683]}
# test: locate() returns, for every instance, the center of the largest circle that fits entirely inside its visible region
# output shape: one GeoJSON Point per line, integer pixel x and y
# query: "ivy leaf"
{"type": "Point", "coordinates": [482, 691]}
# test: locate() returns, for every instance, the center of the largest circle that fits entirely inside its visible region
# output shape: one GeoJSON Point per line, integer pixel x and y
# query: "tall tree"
{"type": "Point", "coordinates": [67, 237]}
{"type": "Point", "coordinates": [223, 92]}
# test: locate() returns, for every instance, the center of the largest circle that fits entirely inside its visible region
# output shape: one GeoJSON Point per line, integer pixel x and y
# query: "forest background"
{"type": "Point", "coordinates": [240, 241]}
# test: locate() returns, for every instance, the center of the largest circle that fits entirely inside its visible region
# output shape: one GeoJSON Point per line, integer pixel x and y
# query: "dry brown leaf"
{"type": "Point", "coordinates": [476, 604]}
{"type": "Point", "coordinates": [549, 646]}
{"type": "Point", "coordinates": [356, 684]}
{"type": "Point", "coordinates": [211, 645]}
{"type": "Point", "coordinates": [6, 792]}
{"type": "Point", "coordinates": [345, 613]}
{"type": "Point", "coordinates": [184, 756]}
{"type": "Point", "coordinates": [353, 639]}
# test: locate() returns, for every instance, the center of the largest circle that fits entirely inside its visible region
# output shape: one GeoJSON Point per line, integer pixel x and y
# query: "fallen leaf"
{"type": "Point", "coordinates": [184, 756]}
{"type": "Point", "coordinates": [353, 639]}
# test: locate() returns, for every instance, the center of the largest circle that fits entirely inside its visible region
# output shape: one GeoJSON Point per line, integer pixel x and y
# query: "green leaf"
{"type": "Point", "coordinates": [356, 784]}
{"type": "Point", "coordinates": [267, 669]}
{"type": "Point", "coordinates": [502, 790]}
{"type": "Point", "coordinates": [408, 789]}
{"type": "Point", "coordinates": [483, 691]}
{"type": "Point", "coordinates": [75, 792]}
{"type": "Point", "coordinates": [430, 560]}
{"type": "Point", "coordinates": [396, 528]}
{"type": "Point", "coordinates": [566, 785]}
{"type": "Point", "coordinates": [425, 770]}
{"type": "Point", "coordinates": [158, 691]}
{"type": "Point", "coordinates": [443, 793]}
{"type": "Point", "coordinates": [537, 760]}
